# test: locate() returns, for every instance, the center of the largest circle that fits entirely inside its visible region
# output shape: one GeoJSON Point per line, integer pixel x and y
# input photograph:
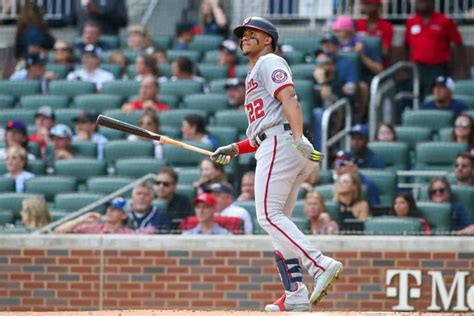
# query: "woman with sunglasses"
{"type": "Point", "coordinates": [439, 191]}
{"type": "Point", "coordinates": [404, 205]}
{"type": "Point", "coordinates": [463, 131]}
{"type": "Point", "coordinates": [348, 195]}
{"type": "Point", "coordinates": [149, 121]}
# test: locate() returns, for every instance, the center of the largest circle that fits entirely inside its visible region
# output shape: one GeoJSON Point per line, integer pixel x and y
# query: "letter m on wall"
{"type": "Point", "coordinates": [438, 285]}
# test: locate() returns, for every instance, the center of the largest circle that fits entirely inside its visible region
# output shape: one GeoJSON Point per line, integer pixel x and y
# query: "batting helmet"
{"type": "Point", "coordinates": [260, 24]}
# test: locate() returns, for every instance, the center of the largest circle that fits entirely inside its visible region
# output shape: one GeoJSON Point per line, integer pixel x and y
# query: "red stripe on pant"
{"type": "Point", "coordinates": [266, 210]}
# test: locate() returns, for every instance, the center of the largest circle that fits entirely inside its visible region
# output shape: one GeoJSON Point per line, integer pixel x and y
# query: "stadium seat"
{"type": "Point", "coordinates": [203, 42]}
{"type": "Point", "coordinates": [438, 216]}
{"type": "Point", "coordinates": [162, 42]}
{"type": "Point", "coordinates": [106, 185]}
{"type": "Point", "coordinates": [241, 71]}
{"type": "Point", "coordinates": [132, 118]}
{"type": "Point", "coordinates": [394, 154]}
{"type": "Point", "coordinates": [120, 149]}
{"type": "Point", "coordinates": [218, 86]}
{"type": "Point", "coordinates": [192, 55]}
{"type": "Point", "coordinates": [6, 101]}
{"type": "Point", "coordinates": [7, 185]}
{"type": "Point", "coordinates": [187, 190]}
{"type": "Point", "coordinates": [464, 195]}
{"type": "Point", "coordinates": [325, 177]}
{"type": "Point", "coordinates": [305, 44]}
{"type": "Point", "coordinates": [49, 186]}
{"type": "Point", "coordinates": [80, 168]}
{"type": "Point", "coordinates": [305, 91]}
{"type": "Point", "coordinates": [188, 176]}
{"type": "Point", "coordinates": [307, 110]}
{"type": "Point", "coordinates": [298, 210]}
{"type": "Point", "coordinates": [250, 207]}
{"type": "Point", "coordinates": [57, 214]}
{"type": "Point", "coordinates": [211, 57]}
{"type": "Point", "coordinates": [175, 117]}
{"type": "Point", "coordinates": [71, 88]}
{"type": "Point", "coordinates": [168, 99]}
{"type": "Point", "coordinates": [332, 209]}
{"type": "Point", "coordinates": [465, 87]}
{"type": "Point", "coordinates": [466, 99]}
{"type": "Point", "coordinates": [355, 59]}
{"type": "Point", "coordinates": [392, 225]}
{"type": "Point", "coordinates": [131, 55]}
{"type": "Point", "coordinates": [72, 202]}
{"type": "Point", "coordinates": [170, 131]}
{"type": "Point", "coordinates": [60, 70]}
{"type": "Point", "coordinates": [206, 102]}
{"type": "Point", "coordinates": [13, 202]}
{"type": "Point", "coordinates": [180, 157]}
{"type": "Point", "coordinates": [433, 119]}
{"type": "Point", "coordinates": [26, 116]}
{"type": "Point", "coordinates": [33, 102]}
{"type": "Point", "coordinates": [302, 223]}
{"type": "Point", "coordinates": [6, 217]}
{"type": "Point", "coordinates": [66, 116]}
{"type": "Point", "coordinates": [412, 135]}
{"type": "Point", "coordinates": [137, 167]}
{"type": "Point", "coordinates": [444, 134]}
{"type": "Point", "coordinates": [19, 88]}
{"type": "Point", "coordinates": [303, 71]}
{"type": "Point", "coordinates": [294, 57]}
{"type": "Point", "coordinates": [36, 166]}
{"type": "Point", "coordinates": [34, 149]}
{"type": "Point", "coordinates": [232, 118]}
{"type": "Point", "coordinates": [470, 113]}
{"type": "Point", "coordinates": [224, 135]}
{"type": "Point", "coordinates": [131, 73]}
{"type": "Point", "coordinates": [326, 190]}
{"type": "Point", "coordinates": [97, 102]}
{"type": "Point", "coordinates": [181, 88]}
{"type": "Point", "coordinates": [213, 72]}
{"type": "Point", "coordinates": [165, 70]}
{"type": "Point", "coordinates": [386, 182]}
{"type": "Point", "coordinates": [437, 155]}
{"type": "Point", "coordinates": [111, 134]}
{"type": "Point", "coordinates": [114, 69]}
{"type": "Point", "coordinates": [124, 88]}
{"type": "Point", "coordinates": [84, 149]}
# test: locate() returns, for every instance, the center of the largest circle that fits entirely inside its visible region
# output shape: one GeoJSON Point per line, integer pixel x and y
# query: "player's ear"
{"type": "Point", "coordinates": [268, 40]}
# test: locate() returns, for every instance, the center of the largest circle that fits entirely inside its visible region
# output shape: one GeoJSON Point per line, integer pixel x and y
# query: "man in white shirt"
{"type": "Point", "coordinates": [90, 70]}
{"type": "Point", "coordinates": [225, 205]}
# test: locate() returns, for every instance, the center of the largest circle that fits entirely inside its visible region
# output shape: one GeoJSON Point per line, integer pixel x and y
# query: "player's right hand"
{"type": "Point", "coordinates": [224, 154]}
{"type": "Point", "coordinates": [307, 150]}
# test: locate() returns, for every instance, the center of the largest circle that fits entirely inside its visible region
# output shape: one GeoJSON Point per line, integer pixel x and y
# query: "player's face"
{"type": "Point", "coordinates": [254, 41]}
{"type": "Point", "coordinates": [401, 206]}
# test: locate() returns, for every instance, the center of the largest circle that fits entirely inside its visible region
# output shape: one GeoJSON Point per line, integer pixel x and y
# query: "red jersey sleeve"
{"type": "Point", "coordinates": [453, 32]}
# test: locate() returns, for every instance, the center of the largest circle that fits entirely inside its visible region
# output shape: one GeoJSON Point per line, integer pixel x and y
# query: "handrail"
{"type": "Point", "coordinates": [376, 84]}
{"type": "Point", "coordinates": [49, 228]}
{"type": "Point", "coordinates": [325, 140]}
{"type": "Point", "coordinates": [149, 12]}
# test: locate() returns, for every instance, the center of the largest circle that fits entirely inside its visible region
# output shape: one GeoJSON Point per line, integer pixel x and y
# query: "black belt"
{"type": "Point", "coordinates": [262, 136]}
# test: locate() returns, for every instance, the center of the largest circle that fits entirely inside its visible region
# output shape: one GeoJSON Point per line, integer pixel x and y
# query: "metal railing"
{"type": "Point", "coordinates": [383, 94]}
{"type": "Point", "coordinates": [50, 227]}
{"type": "Point", "coordinates": [327, 141]}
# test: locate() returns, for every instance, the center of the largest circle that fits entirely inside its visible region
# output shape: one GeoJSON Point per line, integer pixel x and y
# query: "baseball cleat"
{"type": "Point", "coordinates": [280, 305]}
{"type": "Point", "coordinates": [325, 280]}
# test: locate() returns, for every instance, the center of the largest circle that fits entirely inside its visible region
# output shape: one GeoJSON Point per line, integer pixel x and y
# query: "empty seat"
{"type": "Point", "coordinates": [386, 182]}
{"type": "Point", "coordinates": [303, 71]}
{"type": "Point", "coordinates": [305, 91]}
{"type": "Point", "coordinates": [438, 155]}
{"type": "Point", "coordinates": [84, 149]}
{"type": "Point", "coordinates": [33, 102]}
{"type": "Point", "coordinates": [72, 202]}
{"type": "Point", "coordinates": [433, 119]}
{"type": "Point", "coordinates": [7, 185]}
{"type": "Point", "coordinates": [302, 223]}
{"type": "Point", "coordinates": [71, 88]}
{"type": "Point", "coordinates": [97, 102]}
{"type": "Point", "coordinates": [131, 55]}
{"type": "Point", "coordinates": [137, 167]}
{"type": "Point", "coordinates": [412, 135]}
{"type": "Point", "coordinates": [444, 134]}
{"type": "Point", "coordinates": [181, 88]}
{"type": "Point", "coordinates": [66, 116]}
{"type": "Point", "coordinates": [165, 69]}
{"type": "Point", "coordinates": [6, 101]}
{"type": "Point", "coordinates": [188, 176]}
{"type": "Point", "coordinates": [218, 86]}
{"type": "Point", "coordinates": [241, 71]}
{"type": "Point", "coordinates": [13, 202]}
{"type": "Point", "coordinates": [60, 70]}
{"type": "Point", "coordinates": [180, 157]}
{"type": "Point", "coordinates": [392, 225]}
{"type": "Point", "coordinates": [187, 190]}
{"type": "Point", "coordinates": [162, 41]}
{"type": "Point", "coordinates": [119, 149]}
{"type": "Point", "coordinates": [224, 135]}
{"type": "Point", "coordinates": [175, 117]}
{"type": "Point", "coordinates": [170, 131]}
{"type": "Point", "coordinates": [204, 42]}
{"type": "Point", "coordinates": [124, 88]}
{"type": "Point", "coordinates": [107, 185]}
{"type": "Point", "coordinates": [34, 149]}
{"type": "Point", "coordinates": [326, 191]}
{"type": "Point", "coordinates": [206, 102]}
{"type": "Point", "coordinates": [6, 217]}
{"type": "Point", "coordinates": [111, 134]}
{"type": "Point", "coordinates": [211, 57]}
{"type": "Point", "coordinates": [305, 44]}
{"type": "Point", "coordinates": [465, 195]}
{"type": "Point", "coordinates": [394, 154]}
{"type": "Point", "coordinates": [19, 88]}
{"type": "Point", "coordinates": [213, 72]}
{"type": "Point", "coordinates": [26, 116]}
{"type": "Point", "coordinates": [169, 99]}
{"type": "Point", "coordinates": [464, 87]}
{"type": "Point", "coordinates": [298, 210]}
{"type": "Point", "coordinates": [332, 209]}
{"type": "Point", "coordinates": [80, 168]}
{"type": "Point", "coordinates": [37, 166]}
{"type": "Point", "coordinates": [232, 118]}
{"type": "Point", "coordinates": [438, 216]}
{"type": "Point", "coordinates": [118, 114]}
{"type": "Point", "coordinates": [57, 214]}
{"type": "Point", "coordinates": [294, 57]}
{"type": "Point", "coordinates": [192, 55]}
{"type": "Point", "coordinates": [49, 186]}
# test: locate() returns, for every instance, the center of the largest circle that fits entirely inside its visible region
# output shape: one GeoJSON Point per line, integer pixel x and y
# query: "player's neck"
{"type": "Point", "coordinates": [254, 57]}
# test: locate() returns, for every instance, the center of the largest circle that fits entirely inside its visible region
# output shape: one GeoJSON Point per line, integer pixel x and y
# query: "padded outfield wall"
{"type": "Point", "coordinates": [84, 272]}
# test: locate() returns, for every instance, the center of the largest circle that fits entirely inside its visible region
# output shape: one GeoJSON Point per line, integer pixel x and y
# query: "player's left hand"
{"type": "Point", "coordinates": [307, 150]}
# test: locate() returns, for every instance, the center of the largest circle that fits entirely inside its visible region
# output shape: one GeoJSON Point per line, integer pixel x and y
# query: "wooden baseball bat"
{"type": "Point", "coordinates": [110, 122]}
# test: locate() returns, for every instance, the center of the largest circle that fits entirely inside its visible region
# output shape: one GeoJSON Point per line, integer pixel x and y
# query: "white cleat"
{"type": "Point", "coordinates": [325, 280]}
{"type": "Point", "coordinates": [296, 301]}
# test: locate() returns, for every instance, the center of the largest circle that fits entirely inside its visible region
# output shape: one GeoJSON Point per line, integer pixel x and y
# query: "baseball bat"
{"type": "Point", "coordinates": [110, 122]}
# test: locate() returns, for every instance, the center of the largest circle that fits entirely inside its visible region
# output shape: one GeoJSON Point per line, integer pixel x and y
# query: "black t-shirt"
{"type": "Point", "coordinates": [178, 209]}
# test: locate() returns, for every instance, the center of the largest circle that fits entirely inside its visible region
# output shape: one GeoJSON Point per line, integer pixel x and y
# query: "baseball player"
{"type": "Point", "coordinates": [284, 158]}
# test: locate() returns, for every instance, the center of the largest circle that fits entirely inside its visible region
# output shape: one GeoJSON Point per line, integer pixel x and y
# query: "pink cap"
{"type": "Point", "coordinates": [343, 23]}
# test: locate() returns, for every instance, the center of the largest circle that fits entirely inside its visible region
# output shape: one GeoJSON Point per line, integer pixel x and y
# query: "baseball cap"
{"type": "Point", "coordinates": [447, 82]}
{"type": "Point", "coordinates": [234, 82]}
{"type": "Point", "coordinates": [221, 188]}
{"type": "Point", "coordinates": [85, 117]}
{"type": "Point", "coordinates": [118, 203]}
{"type": "Point", "coordinates": [229, 46]}
{"type": "Point", "coordinates": [206, 198]}
{"type": "Point", "coordinates": [36, 59]}
{"type": "Point", "coordinates": [184, 27]}
{"type": "Point", "coordinates": [329, 38]}
{"type": "Point", "coordinates": [45, 111]}
{"type": "Point", "coordinates": [61, 130]}
{"type": "Point", "coordinates": [92, 50]}
{"type": "Point", "coordinates": [341, 154]}
{"type": "Point", "coordinates": [342, 23]}
{"type": "Point", "coordinates": [360, 129]}
{"type": "Point", "coordinates": [18, 126]}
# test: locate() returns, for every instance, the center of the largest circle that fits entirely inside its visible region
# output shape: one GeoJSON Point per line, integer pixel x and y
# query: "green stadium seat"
{"type": "Point", "coordinates": [464, 195]}
{"type": "Point", "coordinates": [84, 149]}
{"type": "Point", "coordinates": [203, 42]}
{"type": "Point", "coordinates": [6, 217]}
{"type": "Point", "coordinates": [470, 113]}
{"type": "Point", "coordinates": [433, 119]}
{"type": "Point", "coordinates": [107, 185]}
{"type": "Point", "coordinates": [132, 118]}
{"type": "Point", "coordinates": [72, 202]}
{"type": "Point", "coordinates": [37, 166]}
{"type": "Point", "coordinates": [465, 87]}
{"type": "Point", "coordinates": [188, 176]}
{"type": "Point", "coordinates": [49, 186]}
{"type": "Point", "coordinates": [326, 190]}
{"type": "Point", "coordinates": [131, 55]}
{"type": "Point", "coordinates": [175, 117]}
{"type": "Point", "coordinates": [305, 44]}
{"type": "Point", "coordinates": [34, 149]}
{"type": "Point", "coordinates": [80, 168]}
{"type": "Point", "coordinates": [60, 70]}
{"type": "Point", "coordinates": [307, 110]}
{"type": "Point", "coordinates": [162, 42]}
{"type": "Point", "coordinates": [180, 157]}
{"type": "Point", "coordinates": [211, 57]}
{"type": "Point", "coordinates": [97, 102]}
{"type": "Point", "coordinates": [392, 225]}
{"type": "Point", "coordinates": [114, 69]}
{"type": "Point", "coordinates": [218, 86]}
{"type": "Point", "coordinates": [224, 135]}
{"type": "Point", "coordinates": [325, 177]}
{"type": "Point", "coordinates": [332, 209]}
{"type": "Point", "coordinates": [13, 202]}
{"type": "Point", "coordinates": [19, 88]}
{"type": "Point", "coordinates": [298, 210]}
{"type": "Point", "coordinates": [14, 230]}
{"type": "Point", "coordinates": [241, 71]}
{"type": "Point", "coordinates": [412, 135]}
{"type": "Point", "coordinates": [181, 88]}
{"type": "Point", "coordinates": [33, 102]}
{"type": "Point", "coordinates": [111, 134]}
{"type": "Point", "coordinates": [302, 71]}
{"type": "Point", "coordinates": [26, 116]}
{"type": "Point", "coordinates": [66, 116]}
{"type": "Point", "coordinates": [123, 88]}
{"type": "Point", "coordinates": [438, 216]}
{"type": "Point", "coordinates": [232, 118]}
{"type": "Point", "coordinates": [71, 88]}
{"type": "Point", "coordinates": [394, 154]}
{"type": "Point", "coordinates": [169, 99]}
{"type": "Point", "coordinates": [386, 182]}
{"type": "Point", "coordinates": [57, 214]}
{"type": "Point", "coordinates": [165, 70]}
{"type": "Point", "coordinates": [294, 57]}
{"type": "Point", "coordinates": [131, 73]}
{"type": "Point", "coordinates": [250, 207]}
{"type": "Point", "coordinates": [137, 167]}
{"type": "Point", "coordinates": [120, 149]}
{"type": "Point", "coordinates": [170, 131]}
{"type": "Point", "coordinates": [7, 185]}
{"type": "Point", "coordinates": [466, 99]}
{"type": "Point", "coordinates": [444, 134]}
{"type": "Point", "coordinates": [186, 190]}
{"type": "Point", "coordinates": [437, 155]}
{"type": "Point", "coordinates": [206, 102]}
{"type": "Point", "coordinates": [6, 101]}
{"type": "Point", "coordinates": [213, 72]}
{"type": "Point", "coordinates": [305, 90]}
{"type": "Point", "coordinates": [192, 55]}
{"type": "Point", "coordinates": [303, 224]}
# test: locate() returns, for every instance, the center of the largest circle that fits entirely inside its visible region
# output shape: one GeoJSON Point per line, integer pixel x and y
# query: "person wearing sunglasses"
{"type": "Point", "coordinates": [464, 169]}
{"type": "Point", "coordinates": [439, 191]}
{"type": "Point", "coordinates": [463, 131]}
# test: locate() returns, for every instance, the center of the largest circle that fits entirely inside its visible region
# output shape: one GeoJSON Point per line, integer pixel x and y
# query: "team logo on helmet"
{"type": "Point", "coordinates": [279, 75]}
{"type": "Point", "coordinates": [247, 20]}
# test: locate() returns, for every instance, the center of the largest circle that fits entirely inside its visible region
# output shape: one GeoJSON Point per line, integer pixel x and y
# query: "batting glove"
{"type": "Point", "coordinates": [307, 150]}
{"type": "Point", "coordinates": [224, 154]}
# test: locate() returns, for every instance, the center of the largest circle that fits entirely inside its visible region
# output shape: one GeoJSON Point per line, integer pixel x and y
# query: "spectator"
{"type": "Point", "coordinates": [312, 179]}
{"type": "Point", "coordinates": [64, 54]}
{"type": "Point", "coordinates": [193, 128]}
{"type": "Point", "coordinates": [17, 158]}
{"type": "Point", "coordinates": [212, 18]}
{"type": "Point", "coordinates": [44, 120]}
{"type": "Point", "coordinates": [145, 217]}
{"type": "Point", "coordinates": [91, 71]}
{"type": "Point", "coordinates": [404, 205]}
{"type": "Point", "coordinates": [61, 137]}
{"type": "Point", "coordinates": [35, 70]}
{"type": "Point", "coordinates": [108, 15]}
{"type": "Point", "coordinates": [348, 195]}
{"type": "Point", "coordinates": [428, 37]}
{"type": "Point", "coordinates": [228, 56]}
{"type": "Point", "coordinates": [320, 221]}
{"type": "Point", "coordinates": [15, 136]}
{"type": "Point", "coordinates": [145, 65]}
{"type": "Point", "coordinates": [91, 36]}
{"type": "Point", "coordinates": [139, 39]}
{"type": "Point", "coordinates": [184, 35]}
{"type": "Point", "coordinates": [386, 133]}
{"type": "Point", "coordinates": [464, 170]}
{"type": "Point", "coordinates": [118, 58]}
{"type": "Point", "coordinates": [463, 131]}
{"type": "Point", "coordinates": [375, 25]}
{"type": "Point", "coordinates": [205, 207]}
{"type": "Point", "coordinates": [226, 207]}
{"type": "Point", "coordinates": [439, 191]}
{"type": "Point", "coordinates": [86, 130]}
{"type": "Point", "coordinates": [114, 221]}
{"type": "Point", "coordinates": [178, 205]}
{"type": "Point", "coordinates": [34, 212]}
{"type": "Point", "coordinates": [443, 88]}
{"type": "Point", "coordinates": [148, 97]}
{"type": "Point", "coordinates": [149, 121]}
{"type": "Point", "coordinates": [247, 187]}
{"type": "Point", "coordinates": [363, 156]}
{"type": "Point", "coordinates": [236, 92]}
{"type": "Point", "coordinates": [160, 57]}
{"type": "Point", "coordinates": [182, 68]}
{"type": "Point", "coordinates": [211, 172]}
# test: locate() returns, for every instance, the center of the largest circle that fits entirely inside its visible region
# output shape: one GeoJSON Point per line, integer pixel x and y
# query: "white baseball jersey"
{"type": "Point", "coordinates": [270, 74]}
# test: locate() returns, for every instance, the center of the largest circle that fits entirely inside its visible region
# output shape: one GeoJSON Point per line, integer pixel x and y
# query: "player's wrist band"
{"type": "Point", "coordinates": [244, 147]}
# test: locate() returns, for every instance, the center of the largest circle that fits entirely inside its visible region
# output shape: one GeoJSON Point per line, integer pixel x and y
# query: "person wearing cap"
{"type": "Point", "coordinates": [16, 160]}
{"type": "Point", "coordinates": [363, 156]}
{"type": "Point", "coordinates": [61, 137]}
{"type": "Point", "coordinates": [205, 208]}
{"type": "Point", "coordinates": [148, 97]}
{"type": "Point", "coordinates": [44, 121]}
{"type": "Point", "coordinates": [90, 71]}
{"type": "Point", "coordinates": [114, 221]}
{"type": "Point", "coordinates": [184, 35]}
{"type": "Point", "coordinates": [35, 70]}
{"type": "Point", "coordinates": [375, 25]}
{"type": "Point", "coordinates": [86, 130]}
{"type": "Point", "coordinates": [15, 135]}
{"type": "Point", "coordinates": [236, 92]}
{"type": "Point", "coordinates": [443, 88]}
{"type": "Point", "coordinates": [225, 206]}
{"type": "Point", "coordinates": [428, 39]}
{"type": "Point", "coordinates": [228, 56]}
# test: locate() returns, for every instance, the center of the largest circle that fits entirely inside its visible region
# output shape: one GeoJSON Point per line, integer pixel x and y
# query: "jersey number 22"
{"type": "Point", "coordinates": [255, 110]}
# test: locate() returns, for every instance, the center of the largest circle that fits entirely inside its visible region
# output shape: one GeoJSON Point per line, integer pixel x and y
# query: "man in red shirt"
{"type": "Point", "coordinates": [428, 37]}
{"type": "Point", "coordinates": [374, 25]}
{"type": "Point", "coordinates": [147, 98]}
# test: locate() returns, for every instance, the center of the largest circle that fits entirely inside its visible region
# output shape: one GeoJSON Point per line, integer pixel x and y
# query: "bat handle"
{"type": "Point", "coordinates": [170, 141]}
